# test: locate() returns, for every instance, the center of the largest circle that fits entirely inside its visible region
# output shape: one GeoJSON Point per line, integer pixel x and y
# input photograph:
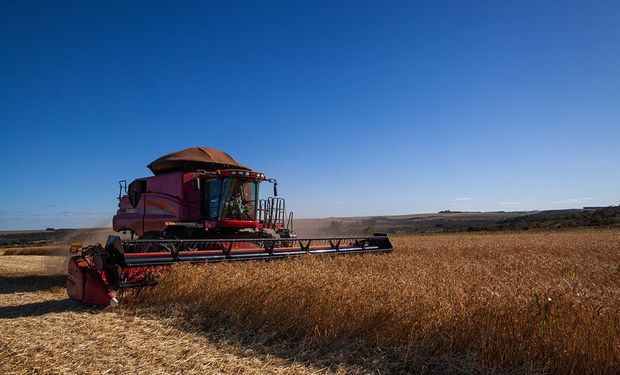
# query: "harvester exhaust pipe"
{"type": "Point", "coordinates": [275, 186]}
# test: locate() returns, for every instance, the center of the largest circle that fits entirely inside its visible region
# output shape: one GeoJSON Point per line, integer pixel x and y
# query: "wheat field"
{"type": "Point", "coordinates": [516, 303]}
{"type": "Point", "coordinates": [546, 302]}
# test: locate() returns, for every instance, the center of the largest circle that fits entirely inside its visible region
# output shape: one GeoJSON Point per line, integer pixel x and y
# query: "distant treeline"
{"type": "Point", "coordinates": [481, 221]}
{"type": "Point", "coordinates": [606, 216]}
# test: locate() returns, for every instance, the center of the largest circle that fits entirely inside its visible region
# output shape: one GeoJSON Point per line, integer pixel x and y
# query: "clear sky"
{"type": "Point", "coordinates": [359, 108]}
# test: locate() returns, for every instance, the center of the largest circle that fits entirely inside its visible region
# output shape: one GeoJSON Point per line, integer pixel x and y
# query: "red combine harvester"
{"type": "Point", "coordinates": [200, 206]}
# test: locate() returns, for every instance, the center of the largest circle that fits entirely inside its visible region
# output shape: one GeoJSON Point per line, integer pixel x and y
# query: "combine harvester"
{"type": "Point", "coordinates": [200, 206]}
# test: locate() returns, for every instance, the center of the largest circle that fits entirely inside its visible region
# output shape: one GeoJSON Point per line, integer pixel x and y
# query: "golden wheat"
{"type": "Point", "coordinates": [527, 302]}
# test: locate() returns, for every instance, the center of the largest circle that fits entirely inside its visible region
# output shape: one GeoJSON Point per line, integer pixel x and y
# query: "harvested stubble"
{"type": "Point", "coordinates": [522, 302]}
{"type": "Point", "coordinates": [43, 332]}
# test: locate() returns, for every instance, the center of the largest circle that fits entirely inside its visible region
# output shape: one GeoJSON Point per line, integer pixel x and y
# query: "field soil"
{"type": "Point", "coordinates": [485, 303]}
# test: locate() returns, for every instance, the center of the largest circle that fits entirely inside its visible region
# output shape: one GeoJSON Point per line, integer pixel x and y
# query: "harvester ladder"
{"type": "Point", "coordinates": [272, 212]}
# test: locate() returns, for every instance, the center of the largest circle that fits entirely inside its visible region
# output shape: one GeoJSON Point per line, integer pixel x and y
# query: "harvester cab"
{"type": "Point", "coordinates": [200, 193]}
{"type": "Point", "coordinates": [199, 206]}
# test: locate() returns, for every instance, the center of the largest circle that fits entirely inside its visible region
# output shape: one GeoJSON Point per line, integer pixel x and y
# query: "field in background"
{"type": "Point", "coordinates": [416, 223]}
{"type": "Point", "coordinates": [35, 250]}
{"type": "Point", "coordinates": [35, 238]}
{"type": "Point", "coordinates": [49, 242]}
{"type": "Point", "coordinates": [516, 302]}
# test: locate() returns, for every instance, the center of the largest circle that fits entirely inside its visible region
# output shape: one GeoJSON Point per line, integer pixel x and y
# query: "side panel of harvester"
{"type": "Point", "coordinates": [151, 202]}
{"type": "Point", "coordinates": [163, 201]}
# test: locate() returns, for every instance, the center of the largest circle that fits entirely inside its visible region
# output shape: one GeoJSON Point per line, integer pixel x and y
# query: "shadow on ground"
{"type": "Point", "coordinates": [40, 308]}
{"type": "Point", "coordinates": [30, 283]}
{"type": "Point", "coordinates": [348, 356]}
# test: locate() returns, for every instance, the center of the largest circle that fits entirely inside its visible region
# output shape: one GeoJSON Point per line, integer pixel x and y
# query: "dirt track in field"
{"type": "Point", "coordinates": [42, 331]}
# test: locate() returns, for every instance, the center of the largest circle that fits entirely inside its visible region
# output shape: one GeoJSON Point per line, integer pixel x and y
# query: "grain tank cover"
{"type": "Point", "coordinates": [194, 158]}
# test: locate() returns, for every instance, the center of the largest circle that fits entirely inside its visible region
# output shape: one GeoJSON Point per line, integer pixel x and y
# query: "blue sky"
{"type": "Point", "coordinates": [359, 108]}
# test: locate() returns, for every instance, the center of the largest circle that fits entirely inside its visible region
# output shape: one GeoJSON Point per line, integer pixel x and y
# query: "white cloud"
{"type": "Point", "coordinates": [463, 199]}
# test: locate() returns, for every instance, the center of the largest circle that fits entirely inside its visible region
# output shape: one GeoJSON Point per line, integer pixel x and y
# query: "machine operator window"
{"type": "Point", "coordinates": [231, 199]}
{"type": "Point", "coordinates": [240, 200]}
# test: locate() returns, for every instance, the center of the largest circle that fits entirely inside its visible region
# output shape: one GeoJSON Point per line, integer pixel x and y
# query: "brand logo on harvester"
{"type": "Point", "coordinates": [149, 211]}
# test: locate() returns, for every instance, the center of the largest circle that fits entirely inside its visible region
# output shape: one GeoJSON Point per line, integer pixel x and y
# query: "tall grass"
{"type": "Point", "coordinates": [535, 302]}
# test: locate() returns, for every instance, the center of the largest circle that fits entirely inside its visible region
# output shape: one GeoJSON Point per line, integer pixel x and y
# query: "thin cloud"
{"type": "Point", "coordinates": [463, 199]}
{"type": "Point", "coordinates": [82, 213]}
{"type": "Point", "coordinates": [574, 201]}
